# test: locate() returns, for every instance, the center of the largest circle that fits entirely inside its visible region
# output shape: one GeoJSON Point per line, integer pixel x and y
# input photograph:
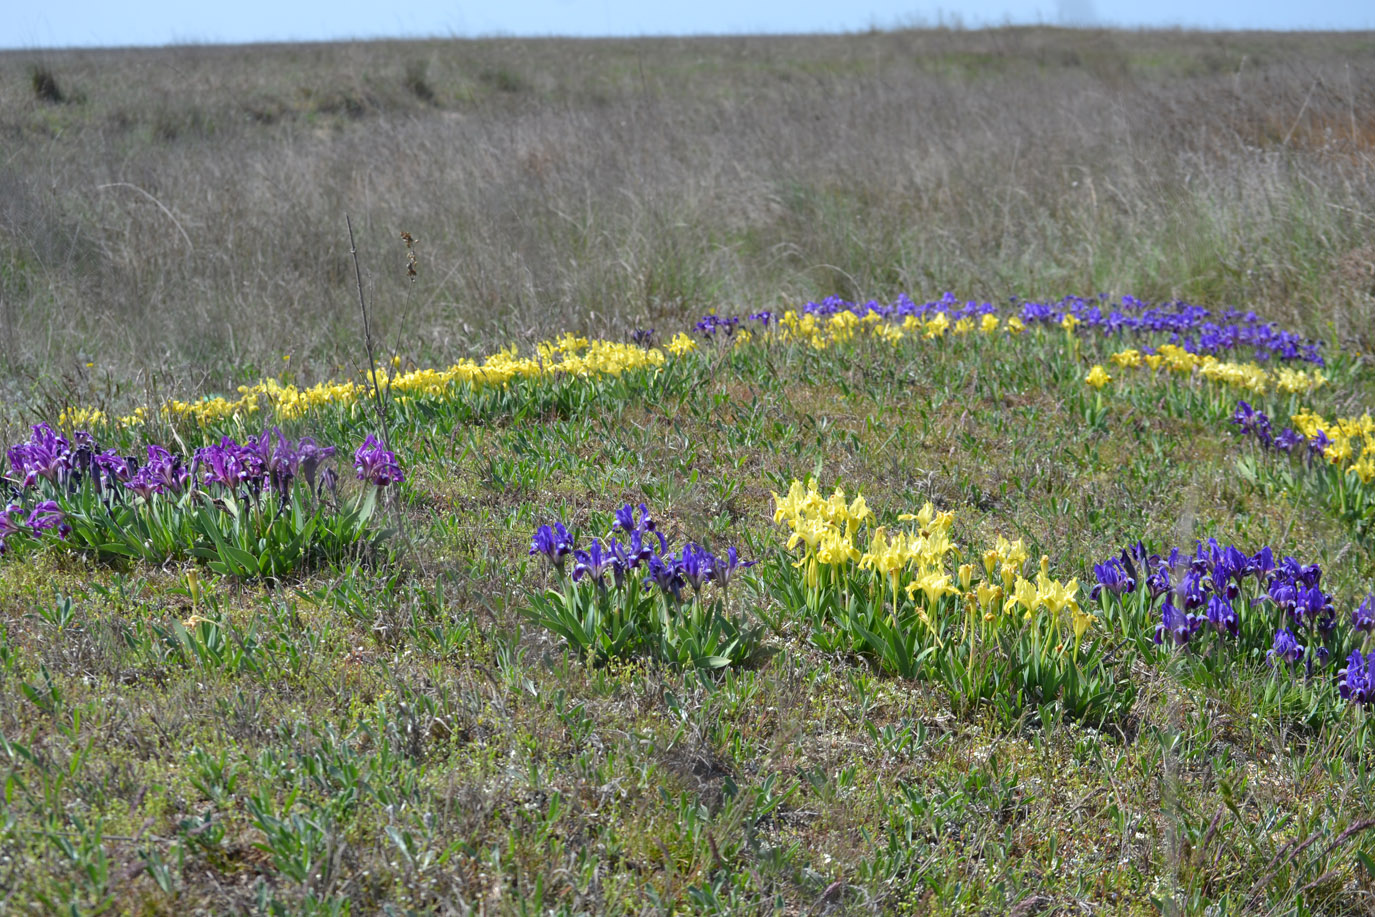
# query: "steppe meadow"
{"type": "Point", "coordinates": [918, 472]}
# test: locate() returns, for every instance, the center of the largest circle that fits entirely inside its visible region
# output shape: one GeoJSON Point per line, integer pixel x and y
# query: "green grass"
{"type": "Point", "coordinates": [400, 735]}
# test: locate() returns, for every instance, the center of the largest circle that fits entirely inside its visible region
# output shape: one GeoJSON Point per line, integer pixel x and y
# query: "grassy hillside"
{"type": "Point", "coordinates": [915, 639]}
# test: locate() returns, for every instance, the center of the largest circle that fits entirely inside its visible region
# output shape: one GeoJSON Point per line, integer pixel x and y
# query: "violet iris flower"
{"type": "Point", "coordinates": [724, 568]}
{"type": "Point", "coordinates": [626, 522]}
{"type": "Point", "coordinates": [1112, 575]}
{"type": "Point", "coordinates": [47, 516]}
{"type": "Point", "coordinates": [1175, 625]}
{"type": "Point", "coordinates": [1363, 616]}
{"type": "Point", "coordinates": [1356, 682]}
{"type": "Point", "coordinates": [1289, 440]}
{"type": "Point", "coordinates": [1222, 616]}
{"type": "Point", "coordinates": [665, 573]}
{"type": "Point", "coordinates": [46, 455]}
{"type": "Point", "coordinates": [163, 473]}
{"type": "Point", "coordinates": [554, 543]}
{"type": "Point", "coordinates": [696, 566]}
{"type": "Point", "coordinates": [1287, 648]}
{"type": "Point", "coordinates": [310, 455]}
{"type": "Point", "coordinates": [376, 464]}
{"type": "Point", "coordinates": [226, 463]}
{"type": "Point", "coordinates": [1313, 609]}
{"type": "Point", "coordinates": [12, 522]}
{"type": "Point", "coordinates": [112, 467]}
{"type": "Point", "coordinates": [594, 562]}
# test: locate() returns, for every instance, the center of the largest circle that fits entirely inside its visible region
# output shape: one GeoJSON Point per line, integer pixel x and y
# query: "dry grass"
{"type": "Point", "coordinates": [182, 214]}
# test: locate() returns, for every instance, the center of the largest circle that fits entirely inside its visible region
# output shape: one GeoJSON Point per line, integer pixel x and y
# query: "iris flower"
{"type": "Point", "coordinates": [1287, 648]}
{"type": "Point", "coordinates": [376, 464]}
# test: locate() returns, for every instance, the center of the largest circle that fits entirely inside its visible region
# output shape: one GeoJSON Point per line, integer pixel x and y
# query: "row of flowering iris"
{"type": "Point", "coordinates": [1193, 329]}
{"type": "Point", "coordinates": [988, 632]}
{"type": "Point", "coordinates": [568, 357]}
{"type": "Point", "coordinates": [258, 507]}
{"type": "Point", "coordinates": [628, 594]}
{"type": "Point", "coordinates": [1226, 604]}
{"type": "Point", "coordinates": [1175, 361]}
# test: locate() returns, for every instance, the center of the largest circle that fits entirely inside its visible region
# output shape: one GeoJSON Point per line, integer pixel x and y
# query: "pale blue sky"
{"type": "Point", "coordinates": [157, 22]}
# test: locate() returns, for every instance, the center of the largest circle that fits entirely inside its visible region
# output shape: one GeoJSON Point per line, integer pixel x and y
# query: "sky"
{"type": "Point", "coordinates": [159, 22]}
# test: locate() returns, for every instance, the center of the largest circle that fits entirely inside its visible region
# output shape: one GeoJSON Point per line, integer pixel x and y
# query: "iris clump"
{"type": "Point", "coordinates": [261, 507]}
{"type": "Point", "coordinates": [1192, 329]}
{"type": "Point", "coordinates": [990, 632]}
{"type": "Point", "coordinates": [1228, 607]}
{"type": "Point", "coordinates": [628, 595]}
{"type": "Point", "coordinates": [1334, 458]}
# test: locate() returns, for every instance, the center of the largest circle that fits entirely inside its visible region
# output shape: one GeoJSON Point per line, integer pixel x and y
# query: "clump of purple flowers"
{"type": "Point", "coordinates": [636, 546]}
{"type": "Point", "coordinates": [712, 325]}
{"type": "Point", "coordinates": [47, 455]}
{"type": "Point", "coordinates": [1205, 592]}
{"type": "Point", "coordinates": [1205, 587]}
{"type": "Point", "coordinates": [1356, 682]}
{"type": "Point", "coordinates": [45, 517]}
{"type": "Point", "coordinates": [1257, 423]}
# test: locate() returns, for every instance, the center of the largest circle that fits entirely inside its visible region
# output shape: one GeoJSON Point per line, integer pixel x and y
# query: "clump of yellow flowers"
{"type": "Point", "coordinates": [1250, 377]}
{"type": "Point", "coordinates": [1351, 441]}
{"type": "Point", "coordinates": [912, 569]}
{"type": "Point", "coordinates": [821, 332]}
{"type": "Point", "coordinates": [568, 356]}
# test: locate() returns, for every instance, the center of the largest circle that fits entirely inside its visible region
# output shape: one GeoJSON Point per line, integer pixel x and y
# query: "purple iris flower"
{"type": "Point", "coordinates": [1231, 567]}
{"type": "Point", "coordinates": [1253, 422]}
{"type": "Point", "coordinates": [1158, 582]}
{"type": "Point", "coordinates": [1285, 594]}
{"type": "Point", "coordinates": [163, 473]}
{"type": "Point", "coordinates": [594, 562]}
{"type": "Point", "coordinates": [144, 483]}
{"type": "Point", "coordinates": [1287, 648]}
{"type": "Point", "coordinates": [1112, 575]}
{"type": "Point", "coordinates": [1175, 625]}
{"type": "Point", "coordinates": [1289, 440]}
{"type": "Point", "coordinates": [696, 566]}
{"type": "Point", "coordinates": [1313, 609]}
{"type": "Point", "coordinates": [1318, 444]}
{"type": "Point", "coordinates": [169, 470]}
{"type": "Point", "coordinates": [12, 522]}
{"type": "Point", "coordinates": [376, 464]}
{"type": "Point", "coordinates": [112, 467]}
{"type": "Point", "coordinates": [1263, 562]}
{"type": "Point", "coordinates": [1222, 616]}
{"type": "Point", "coordinates": [644, 337]}
{"type": "Point", "coordinates": [47, 516]}
{"type": "Point", "coordinates": [1290, 569]}
{"type": "Point", "coordinates": [227, 463]}
{"type": "Point", "coordinates": [1356, 682]}
{"type": "Point", "coordinates": [724, 568]}
{"type": "Point", "coordinates": [46, 455]}
{"type": "Point", "coordinates": [309, 455]}
{"type": "Point", "coordinates": [626, 522]}
{"type": "Point", "coordinates": [1192, 590]}
{"type": "Point", "coordinates": [665, 573]}
{"type": "Point", "coordinates": [554, 543]}
{"type": "Point", "coordinates": [1363, 616]}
